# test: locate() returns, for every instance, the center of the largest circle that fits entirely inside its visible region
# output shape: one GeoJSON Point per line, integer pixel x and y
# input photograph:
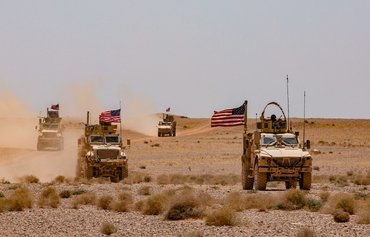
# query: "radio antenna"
{"type": "Point", "coordinates": [287, 90]}
{"type": "Point", "coordinates": [304, 119]}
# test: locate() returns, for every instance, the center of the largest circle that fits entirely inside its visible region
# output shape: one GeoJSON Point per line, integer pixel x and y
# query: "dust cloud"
{"type": "Point", "coordinates": [17, 123]}
{"type": "Point", "coordinates": [139, 115]}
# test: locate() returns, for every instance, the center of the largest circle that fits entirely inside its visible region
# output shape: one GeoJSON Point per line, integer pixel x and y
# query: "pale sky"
{"type": "Point", "coordinates": [196, 56]}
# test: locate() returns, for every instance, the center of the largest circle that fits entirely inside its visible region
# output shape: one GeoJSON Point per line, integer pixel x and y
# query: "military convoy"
{"type": "Point", "coordinates": [273, 153]}
{"type": "Point", "coordinates": [101, 153]}
{"type": "Point", "coordinates": [167, 126]}
{"type": "Point", "coordinates": [50, 130]}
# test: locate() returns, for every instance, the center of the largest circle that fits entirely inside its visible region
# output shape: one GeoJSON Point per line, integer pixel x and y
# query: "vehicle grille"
{"type": "Point", "coordinates": [288, 162]}
{"type": "Point", "coordinates": [107, 154]}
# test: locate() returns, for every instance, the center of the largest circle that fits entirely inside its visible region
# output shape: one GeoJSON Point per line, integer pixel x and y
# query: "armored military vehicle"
{"type": "Point", "coordinates": [273, 153]}
{"type": "Point", "coordinates": [50, 131]}
{"type": "Point", "coordinates": [167, 126]}
{"type": "Point", "coordinates": [101, 153]}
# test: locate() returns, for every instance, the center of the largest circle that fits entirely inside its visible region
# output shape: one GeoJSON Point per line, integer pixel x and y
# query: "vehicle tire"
{"type": "Point", "coordinates": [305, 181]}
{"type": "Point", "coordinates": [247, 182]}
{"type": "Point", "coordinates": [159, 134]}
{"type": "Point", "coordinates": [291, 184]}
{"type": "Point", "coordinates": [125, 172]}
{"type": "Point", "coordinates": [261, 181]}
{"type": "Point", "coordinates": [174, 133]}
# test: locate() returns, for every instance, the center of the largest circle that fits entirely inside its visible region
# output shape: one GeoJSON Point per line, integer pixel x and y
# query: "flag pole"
{"type": "Point", "coordinates": [120, 121]}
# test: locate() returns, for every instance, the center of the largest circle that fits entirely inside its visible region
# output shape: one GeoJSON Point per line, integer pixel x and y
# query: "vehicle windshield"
{"type": "Point", "coordinates": [271, 140]}
{"type": "Point", "coordinates": [289, 140]}
{"type": "Point", "coordinates": [112, 139]}
{"type": "Point", "coordinates": [268, 140]}
{"type": "Point", "coordinates": [96, 139]}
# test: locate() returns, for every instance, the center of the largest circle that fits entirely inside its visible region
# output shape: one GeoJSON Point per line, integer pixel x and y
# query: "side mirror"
{"type": "Point", "coordinates": [308, 144]}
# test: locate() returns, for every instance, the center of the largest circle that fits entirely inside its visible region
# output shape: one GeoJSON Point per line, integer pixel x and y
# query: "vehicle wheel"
{"type": "Point", "coordinates": [247, 182]}
{"type": "Point", "coordinates": [291, 184]}
{"type": "Point", "coordinates": [159, 134]}
{"type": "Point", "coordinates": [261, 181]}
{"type": "Point", "coordinates": [305, 181]}
{"type": "Point", "coordinates": [125, 172]}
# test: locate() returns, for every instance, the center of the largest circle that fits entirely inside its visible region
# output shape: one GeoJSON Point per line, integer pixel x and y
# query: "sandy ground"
{"type": "Point", "coordinates": [198, 149]}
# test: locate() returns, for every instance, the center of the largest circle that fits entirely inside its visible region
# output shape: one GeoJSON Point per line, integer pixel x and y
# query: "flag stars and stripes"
{"type": "Point", "coordinates": [228, 117]}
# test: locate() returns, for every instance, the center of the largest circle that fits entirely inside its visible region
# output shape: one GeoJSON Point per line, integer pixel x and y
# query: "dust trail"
{"type": "Point", "coordinates": [17, 123]}
{"type": "Point", "coordinates": [139, 115]}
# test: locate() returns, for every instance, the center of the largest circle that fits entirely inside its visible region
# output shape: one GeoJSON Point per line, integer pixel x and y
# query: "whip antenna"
{"type": "Point", "coordinates": [304, 119]}
{"type": "Point", "coordinates": [287, 90]}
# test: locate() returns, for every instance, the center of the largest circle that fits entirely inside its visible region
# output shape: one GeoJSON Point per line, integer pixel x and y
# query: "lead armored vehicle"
{"type": "Point", "coordinates": [167, 126]}
{"type": "Point", "coordinates": [101, 153]}
{"type": "Point", "coordinates": [274, 153]}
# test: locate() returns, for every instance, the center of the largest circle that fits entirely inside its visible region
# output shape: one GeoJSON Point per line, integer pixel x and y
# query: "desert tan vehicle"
{"type": "Point", "coordinates": [167, 126]}
{"type": "Point", "coordinates": [50, 132]}
{"type": "Point", "coordinates": [100, 153]}
{"type": "Point", "coordinates": [273, 153]}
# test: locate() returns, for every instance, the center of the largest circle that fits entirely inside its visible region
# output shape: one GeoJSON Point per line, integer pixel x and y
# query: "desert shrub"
{"type": "Point", "coordinates": [317, 168]}
{"type": "Point", "coordinates": [293, 199]}
{"type": "Point", "coordinates": [222, 217]}
{"type": "Point", "coordinates": [235, 201]}
{"type": "Point", "coordinates": [350, 173]}
{"type": "Point", "coordinates": [84, 199]}
{"type": "Point", "coordinates": [60, 179]}
{"type": "Point", "coordinates": [184, 207]}
{"type": "Point", "coordinates": [163, 179]}
{"type": "Point", "coordinates": [78, 191]}
{"type": "Point", "coordinates": [65, 194]}
{"type": "Point", "coordinates": [143, 166]}
{"type": "Point", "coordinates": [314, 205]}
{"type": "Point", "coordinates": [361, 180]}
{"type": "Point", "coordinates": [346, 203]}
{"type": "Point", "coordinates": [107, 228]}
{"type": "Point", "coordinates": [18, 200]}
{"type": "Point", "coordinates": [4, 181]}
{"type": "Point", "coordinates": [156, 145]}
{"type": "Point", "coordinates": [341, 216]}
{"type": "Point", "coordinates": [49, 197]}
{"type": "Point", "coordinates": [105, 202]}
{"type": "Point", "coordinates": [324, 196]}
{"type": "Point", "coordinates": [154, 205]}
{"type": "Point", "coordinates": [178, 179]}
{"type": "Point", "coordinates": [145, 190]}
{"type": "Point", "coordinates": [147, 179]}
{"type": "Point", "coordinates": [306, 232]}
{"type": "Point", "coordinates": [31, 179]}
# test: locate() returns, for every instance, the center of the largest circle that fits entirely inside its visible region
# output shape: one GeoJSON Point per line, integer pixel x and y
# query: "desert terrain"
{"type": "Point", "coordinates": [201, 167]}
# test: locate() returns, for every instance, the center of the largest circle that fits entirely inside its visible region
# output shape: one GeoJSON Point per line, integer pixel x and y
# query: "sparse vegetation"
{"type": "Point", "coordinates": [65, 194]}
{"type": "Point", "coordinates": [293, 199]}
{"type": "Point", "coordinates": [222, 217]}
{"type": "Point", "coordinates": [108, 228]}
{"type": "Point", "coordinates": [49, 198]}
{"type": "Point", "coordinates": [78, 191]}
{"type": "Point", "coordinates": [2, 195]}
{"type": "Point", "coordinates": [145, 190]}
{"type": "Point", "coordinates": [314, 205]}
{"type": "Point", "coordinates": [30, 179]}
{"type": "Point", "coordinates": [105, 202]}
{"type": "Point", "coordinates": [60, 179]}
{"type": "Point", "coordinates": [154, 205]}
{"type": "Point", "coordinates": [341, 216]}
{"type": "Point", "coordinates": [87, 198]}
{"type": "Point", "coordinates": [346, 203]}
{"type": "Point", "coordinates": [184, 207]}
{"type": "Point", "coordinates": [18, 200]}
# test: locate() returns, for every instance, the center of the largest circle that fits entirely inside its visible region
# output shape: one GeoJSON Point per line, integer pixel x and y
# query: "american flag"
{"type": "Point", "coordinates": [55, 107]}
{"type": "Point", "coordinates": [228, 117]}
{"type": "Point", "coordinates": [111, 116]}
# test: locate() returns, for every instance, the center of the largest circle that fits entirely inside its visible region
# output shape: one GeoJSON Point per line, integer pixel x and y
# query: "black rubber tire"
{"type": "Point", "coordinates": [247, 183]}
{"type": "Point", "coordinates": [305, 181]}
{"type": "Point", "coordinates": [261, 181]}
{"type": "Point", "coordinates": [125, 172]}
{"type": "Point", "coordinates": [290, 184]}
